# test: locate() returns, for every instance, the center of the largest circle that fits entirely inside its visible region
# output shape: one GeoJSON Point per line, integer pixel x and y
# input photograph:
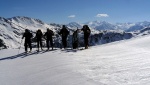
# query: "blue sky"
{"type": "Point", "coordinates": [64, 11]}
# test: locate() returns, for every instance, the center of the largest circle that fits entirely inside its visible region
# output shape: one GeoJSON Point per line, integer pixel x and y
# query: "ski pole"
{"type": "Point", "coordinates": [20, 45]}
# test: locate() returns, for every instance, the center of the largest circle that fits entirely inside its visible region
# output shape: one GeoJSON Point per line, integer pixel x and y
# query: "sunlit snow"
{"type": "Point", "coordinates": [124, 62]}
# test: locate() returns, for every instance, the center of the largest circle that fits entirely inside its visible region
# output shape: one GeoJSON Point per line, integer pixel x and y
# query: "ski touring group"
{"type": "Point", "coordinates": [48, 36]}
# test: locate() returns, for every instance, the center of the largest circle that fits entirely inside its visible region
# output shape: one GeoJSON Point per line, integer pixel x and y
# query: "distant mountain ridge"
{"type": "Point", "coordinates": [103, 25]}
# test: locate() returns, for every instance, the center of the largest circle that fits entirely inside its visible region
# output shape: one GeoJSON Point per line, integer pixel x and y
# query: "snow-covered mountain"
{"type": "Point", "coordinates": [143, 32]}
{"type": "Point", "coordinates": [103, 25]}
{"type": "Point", "coordinates": [139, 26]}
{"type": "Point", "coordinates": [11, 30]}
{"type": "Point", "coordinates": [124, 26]}
{"type": "Point", "coordinates": [105, 32]}
{"type": "Point", "coordinates": [74, 25]}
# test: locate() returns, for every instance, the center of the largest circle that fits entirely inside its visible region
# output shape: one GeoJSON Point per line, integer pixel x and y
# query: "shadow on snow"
{"type": "Point", "coordinates": [23, 55]}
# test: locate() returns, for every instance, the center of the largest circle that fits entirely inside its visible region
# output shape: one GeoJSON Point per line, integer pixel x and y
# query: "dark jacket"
{"type": "Point", "coordinates": [39, 35]}
{"type": "Point", "coordinates": [86, 31]}
{"type": "Point", "coordinates": [27, 35]}
{"type": "Point", "coordinates": [64, 32]}
{"type": "Point", "coordinates": [49, 34]}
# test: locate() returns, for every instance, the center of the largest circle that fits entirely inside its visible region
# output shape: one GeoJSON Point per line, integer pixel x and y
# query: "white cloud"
{"type": "Point", "coordinates": [102, 15]}
{"type": "Point", "coordinates": [72, 16]}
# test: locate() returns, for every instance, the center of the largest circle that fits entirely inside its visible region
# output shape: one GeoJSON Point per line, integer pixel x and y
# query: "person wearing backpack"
{"type": "Point", "coordinates": [49, 40]}
{"type": "Point", "coordinates": [75, 39]}
{"type": "Point", "coordinates": [64, 34]}
{"type": "Point", "coordinates": [27, 35]}
{"type": "Point", "coordinates": [38, 37]}
{"type": "Point", "coordinates": [86, 30]}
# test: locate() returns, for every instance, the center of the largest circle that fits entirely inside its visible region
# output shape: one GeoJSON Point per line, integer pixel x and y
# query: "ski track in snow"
{"type": "Point", "coordinates": [120, 63]}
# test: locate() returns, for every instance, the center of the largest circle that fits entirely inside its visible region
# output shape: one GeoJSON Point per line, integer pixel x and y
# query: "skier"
{"type": "Point", "coordinates": [39, 36]}
{"type": "Point", "coordinates": [75, 39]}
{"type": "Point", "coordinates": [27, 35]}
{"type": "Point", "coordinates": [87, 33]}
{"type": "Point", "coordinates": [48, 35]}
{"type": "Point", "coordinates": [64, 34]}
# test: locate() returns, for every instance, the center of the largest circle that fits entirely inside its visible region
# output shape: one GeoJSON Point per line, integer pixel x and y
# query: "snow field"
{"type": "Point", "coordinates": [120, 63]}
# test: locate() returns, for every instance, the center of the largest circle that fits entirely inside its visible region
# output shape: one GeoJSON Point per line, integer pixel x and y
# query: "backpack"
{"type": "Point", "coordinates": [52, 33]}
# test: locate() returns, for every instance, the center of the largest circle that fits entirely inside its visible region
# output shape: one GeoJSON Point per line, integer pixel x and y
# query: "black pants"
{"type": "Point", "coordinates": [51, 43]}
{"type": "Point", "coordinates": [64, 42]}
{"type": "Point", "coordinates": [86, 41]}
{"type": "Point", "coordinates": [26, 44]}
{"type": "Point", "coordinates": [39, 44]}
{"type": "Point", "coordinates": [75, 44]}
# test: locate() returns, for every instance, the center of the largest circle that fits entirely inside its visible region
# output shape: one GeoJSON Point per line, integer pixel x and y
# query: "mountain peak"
{"type": "Point", "coordinates": [74, 25]}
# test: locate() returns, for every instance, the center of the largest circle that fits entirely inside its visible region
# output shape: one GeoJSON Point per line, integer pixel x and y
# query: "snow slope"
{"type": "Point", "coordinates": [120, 63]}
{"type": "Point", "coordinates": [12, 29]}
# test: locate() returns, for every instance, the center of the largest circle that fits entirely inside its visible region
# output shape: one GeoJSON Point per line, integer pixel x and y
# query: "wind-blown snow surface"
{"type": "Point", "coordinates": [119, 63]}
